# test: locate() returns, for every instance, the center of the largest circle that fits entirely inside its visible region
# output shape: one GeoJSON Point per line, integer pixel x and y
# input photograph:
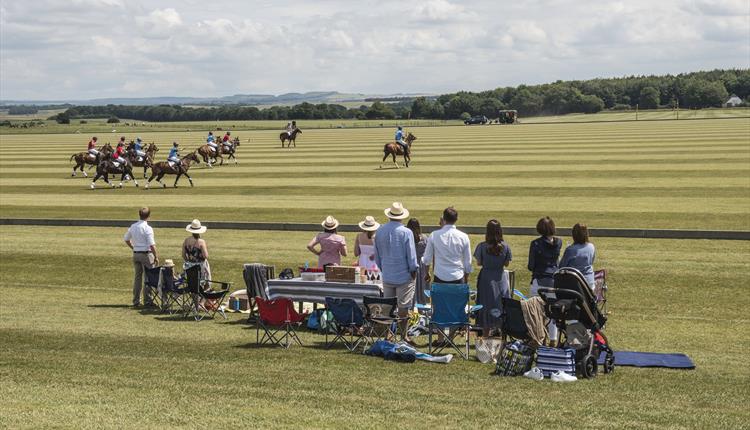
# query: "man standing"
{"type": "Point", "coordinates": [140, 238]}
{"type": "Point", "coordinates": [452, 251]}
{"type": "Point", "coordinates": [396, 256]}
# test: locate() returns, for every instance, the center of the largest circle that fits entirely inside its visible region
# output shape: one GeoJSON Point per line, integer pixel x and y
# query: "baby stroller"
{"type": "Point", "coordinates": [572, 305]}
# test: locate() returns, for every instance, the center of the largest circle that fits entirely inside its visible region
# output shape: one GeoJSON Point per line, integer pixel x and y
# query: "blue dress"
{"type": "Point", "coordinates": [491, 285]}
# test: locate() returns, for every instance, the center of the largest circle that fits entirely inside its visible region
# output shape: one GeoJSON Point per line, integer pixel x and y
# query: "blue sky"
{"type": "Point", "coordinates": [75, 49]}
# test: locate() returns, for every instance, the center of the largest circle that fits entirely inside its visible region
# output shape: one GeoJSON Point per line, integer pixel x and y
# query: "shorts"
{"type": "Point", "coordinates": [404, 293]}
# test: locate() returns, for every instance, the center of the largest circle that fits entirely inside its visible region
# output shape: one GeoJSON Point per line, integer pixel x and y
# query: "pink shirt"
{"type": "Point", "coordinates": [331, 246]}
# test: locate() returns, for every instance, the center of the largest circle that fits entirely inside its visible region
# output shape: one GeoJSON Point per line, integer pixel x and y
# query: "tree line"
{"type": "Point", "coordinates": [688, 90]}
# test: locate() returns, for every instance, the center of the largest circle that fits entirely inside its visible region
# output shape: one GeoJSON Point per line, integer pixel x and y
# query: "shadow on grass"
{"type": "Point", "coordinates": [111, 306]}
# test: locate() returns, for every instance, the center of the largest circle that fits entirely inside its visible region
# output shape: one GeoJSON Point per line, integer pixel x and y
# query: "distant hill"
{"type": "Point", "coordinates": [237, 99]}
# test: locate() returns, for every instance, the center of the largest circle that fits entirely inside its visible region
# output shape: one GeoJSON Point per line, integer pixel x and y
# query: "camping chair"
{"type": "Point", "coordinates": [450, 309]}
{"type": "Point", "coordinates": [600, 289]}
{"type": "Point", "coordinates": [513, 324]}
{"type": "Point", "coordinates": [174, 296]}
{"type": "Point", "coordinates": [275, 317]}
{"type": "Point", "coordinates": [347, 317]}
{"type": "Point", "coordinates": [152, 286]}
{"type": "Point", "coordinates": [256, 278]}
{"type": "Point", "coordinates": [380, 319]}
{"type": "Point", "coordinates": [204, 303]}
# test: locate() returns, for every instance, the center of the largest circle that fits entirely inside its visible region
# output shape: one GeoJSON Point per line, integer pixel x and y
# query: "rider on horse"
{"type": "Point", "coordinates": [290, 126]}
{"type": "Point", "coordinates": [138, 149]}
{"type": "Point", "coordinates": [226, 141]}
{"type": "Point", "coordinates": [117, 156]}
{"type": "Point", "coordinates": [92, 148]}
{"type": "Point", "coordinates": [211, 142]}
{"type": "Point", "coordinates": [400, 140]}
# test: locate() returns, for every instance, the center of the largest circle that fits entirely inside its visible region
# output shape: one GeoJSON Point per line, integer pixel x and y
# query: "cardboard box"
{"type": "Point", "coordinates": [340, 274]}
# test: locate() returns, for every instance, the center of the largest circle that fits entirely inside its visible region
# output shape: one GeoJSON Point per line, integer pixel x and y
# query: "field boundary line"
{"type": "Point", "coordinates": [638, 233]}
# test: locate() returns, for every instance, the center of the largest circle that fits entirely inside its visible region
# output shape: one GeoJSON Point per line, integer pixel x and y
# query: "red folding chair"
{"type": "Point", "coordinates": [277, 318]}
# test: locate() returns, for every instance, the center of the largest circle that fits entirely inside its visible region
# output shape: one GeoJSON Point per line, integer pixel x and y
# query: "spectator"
{"type": "Point", "coordinates": [452, 252]}
{"type": "Point", "coordinates": [195, 251]}
{"type": "Point", "coordinates": [420, 243]}
{"type": "Point", "coordinates": [581, 254]}
{"type": "Point", "coordinates": [543, 254]}
{"type": "Point", "coordinates": [140, 238]}
{"type": "Point", "coordinates": [364, 245]}
{"type": "Point", "coordinates": [492, 284]}
{"type": "Point", "coordinates": [397, 259]}
{"type": "Point", "coordinates": [332, 245]}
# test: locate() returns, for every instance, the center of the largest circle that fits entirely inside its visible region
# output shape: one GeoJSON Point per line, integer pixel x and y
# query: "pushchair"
{"type": "Point", "coordinates": [572, 305]}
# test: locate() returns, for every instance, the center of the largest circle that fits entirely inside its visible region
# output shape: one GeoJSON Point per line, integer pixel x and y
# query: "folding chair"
{"type": "Point", "coordinates": [174, 296]}
{"type": "Point", "coordinates": [513, 324]}
{"type": "Point", "coordinates": [152, 286]}
{"type": "Point", "coordinates": [380, 319]}
{"type": "Point", "coordinates": [275, 317]}
{"type": "Point", "coordinates": [450, 309]}
{"type": "Point", "coordinates": [600, 289]}
{"type": "Point", "coordinates": [347, 316]}
{"type": "Point", "coordinates": [204, 303]}
{"type": "Point", "coordinates": [256, 278]}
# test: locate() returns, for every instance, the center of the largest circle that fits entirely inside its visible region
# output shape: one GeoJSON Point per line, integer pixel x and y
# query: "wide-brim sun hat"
{"type": "Point", "coordinates": [369, 224]}
{"type": "Point", "coordinates": [397, 211]}
{"type": "Point", "coordinates": [196, 227]}
{"type": "Point", "coordinates": [330, 223]}
{"type": "Point", "coordinates": [168, 263]}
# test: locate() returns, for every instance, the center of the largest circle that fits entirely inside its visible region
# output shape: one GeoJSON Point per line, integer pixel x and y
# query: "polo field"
{"type": "Point", "coordinates": [75, 352]}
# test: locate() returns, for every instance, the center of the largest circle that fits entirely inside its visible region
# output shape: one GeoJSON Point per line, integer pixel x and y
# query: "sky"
{"type": "Point", "coordinates": [83, 49]}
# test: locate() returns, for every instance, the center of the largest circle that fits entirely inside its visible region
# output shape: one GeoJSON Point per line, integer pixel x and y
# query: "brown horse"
{"type": "Point", "coordinates": [148, 159]}
{"type": "Point", "coordinates": [292, 139]}
{"type": "Point", "coordinates": [158, 170]}
{"type": "Point", "coordinates": [84, 158]}
{"type": "Point", "coordinates": [107, 167]}
{"type": "Point", "coordinates": [395, 149]}
{"type": "Point", "coordinates": [207, 153]}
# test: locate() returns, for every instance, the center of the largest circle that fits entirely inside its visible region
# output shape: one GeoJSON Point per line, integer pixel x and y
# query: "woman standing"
{"type": "Point", "coordinates": [581, 254]}
{"type": "Point", "coordinates": [332, 245]}
{"type": "Point", "coordinates": [543, 254]}
{"type": "Point", "coordinates": [364, 244]}
{"type": "Point", "coordinates": [195, 251]}
{"type": "Point", "coordinates": [420, 244]}
{"type": "Point", "coordinates": [494, 256]}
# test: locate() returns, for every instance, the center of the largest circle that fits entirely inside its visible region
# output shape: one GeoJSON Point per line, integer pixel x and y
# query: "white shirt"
{"type": "Point", "coordinates": [141, 236]}
{"type": "Point", "coordinates": [452, 251]}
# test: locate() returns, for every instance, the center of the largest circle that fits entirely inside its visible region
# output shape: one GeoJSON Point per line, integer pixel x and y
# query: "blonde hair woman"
{"type": "Point", "coordinates": [364, 244]}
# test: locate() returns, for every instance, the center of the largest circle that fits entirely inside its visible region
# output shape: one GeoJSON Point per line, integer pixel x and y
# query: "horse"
{"type": "Point", "coordinates": [84, 158]}
{"type": "Point", "coordinates": [158, 170]}
{"type": "Point", "coordinates": [107, 167]}
{"type": "Point", "coordinates": [231, 150]}
{"type": "Point", "coordinates": [148, 159]}
{"type": "Point", "coordinates": [292, 139]}
{"type": "Point", "coordinates": [395, 149]}
{"type": "Point", "coordinates": [207, 153]}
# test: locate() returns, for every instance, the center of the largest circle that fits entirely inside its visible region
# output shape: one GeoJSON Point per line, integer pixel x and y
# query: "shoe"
{"type": "Point", "coordinates": [534, 373]}
{"type": "Point", "coordinates": [560, 376]}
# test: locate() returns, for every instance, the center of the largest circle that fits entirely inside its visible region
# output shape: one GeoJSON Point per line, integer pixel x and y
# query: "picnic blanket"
{"type": "Point", "coordinates": [404, 352]}
{"type": "Point", "coordinates": [650, 359]}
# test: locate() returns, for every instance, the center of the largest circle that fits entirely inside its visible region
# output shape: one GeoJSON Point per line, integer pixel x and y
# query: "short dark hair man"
{"type": "Point", "coordinates": [140, 238]}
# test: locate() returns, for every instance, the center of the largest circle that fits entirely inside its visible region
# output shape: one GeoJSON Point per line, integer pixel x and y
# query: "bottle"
{"type": "Point", "coordinates": [356, 275]}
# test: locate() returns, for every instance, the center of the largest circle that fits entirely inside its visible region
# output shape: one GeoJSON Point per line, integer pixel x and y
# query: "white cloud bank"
{"type": "Point", "coordinates": [76, 49]}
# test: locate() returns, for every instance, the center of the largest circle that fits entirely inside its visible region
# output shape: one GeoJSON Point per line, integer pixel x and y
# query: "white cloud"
{"type": "Point", "coordinates": [109, 48]}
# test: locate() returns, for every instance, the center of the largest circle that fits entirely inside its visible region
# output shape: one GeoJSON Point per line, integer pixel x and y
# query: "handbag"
{"type": "Point", "coordinates": [514, 359]}
{"type": "Point", "coordinates": [487, 349]}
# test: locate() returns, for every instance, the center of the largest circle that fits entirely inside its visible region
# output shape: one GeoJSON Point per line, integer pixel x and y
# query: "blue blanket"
{"type": "Point", "coordinates": [650, 359]}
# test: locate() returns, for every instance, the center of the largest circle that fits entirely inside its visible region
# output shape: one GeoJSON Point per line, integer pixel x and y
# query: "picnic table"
{"type": "Point", "coordinates": [315, 292]}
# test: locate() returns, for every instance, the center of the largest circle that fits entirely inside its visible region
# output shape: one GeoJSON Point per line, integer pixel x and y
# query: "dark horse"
{"type": "Point", "coordinates": [107, 167]}
{"type": "Point", "coordinates": [148, 159]}
{"type": "Point", "coordinates": [158, 170]}
{"type": "Point", "coordinates": [84, 158]}
{"type": "Point", "coordinates": [292, 139]}
{"type": "Point", "coordinates": [395, 149]}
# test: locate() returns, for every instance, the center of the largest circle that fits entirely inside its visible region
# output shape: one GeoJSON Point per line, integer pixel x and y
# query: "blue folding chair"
{"type": "Point", "coordinates": [151, 292]}
{"type": "Point", "coordinates": [348, 317]}
{"type": "Point", "coordinates": [450, 309]}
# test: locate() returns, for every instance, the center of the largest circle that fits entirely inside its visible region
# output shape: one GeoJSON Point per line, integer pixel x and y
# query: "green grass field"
{"type": "Point", "coordinates": [74, 354]}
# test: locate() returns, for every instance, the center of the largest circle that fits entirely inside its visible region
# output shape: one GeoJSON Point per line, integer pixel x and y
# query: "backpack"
{"type": "Point", "coordinates": [321, 320]}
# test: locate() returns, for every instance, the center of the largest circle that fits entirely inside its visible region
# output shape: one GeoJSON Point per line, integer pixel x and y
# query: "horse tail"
{"type": "Point", "coordinates": [385, 147]}
{"type": "Point", "coordinates": [72, 157]}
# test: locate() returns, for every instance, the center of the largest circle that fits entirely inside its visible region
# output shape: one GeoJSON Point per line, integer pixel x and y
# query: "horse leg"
{"type": "Point", "coordinates": [177, 179]}
{"type": "Point", "coordinates": [394, 160]}
{"type": "Point", "coordinates": [85, 175]}
{"type": "Point", "coordinates": [158, 179]}
{"type": "Point", "coordinates": [189, 179]}
{"type": "Point", "coordinates": [406, 160]}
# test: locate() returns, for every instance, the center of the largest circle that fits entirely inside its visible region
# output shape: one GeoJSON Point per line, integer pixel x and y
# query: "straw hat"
{"type": "Point", "coordinates": [195, 227]}
{"type": "Point", "coordinates": [369, 224]}
{"type": "Point", "coordinates": [330, 223]}
{"type": "Point", "coordinates": [168, 263]}
{"type": "Point", "coordinates": [397, 211]}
